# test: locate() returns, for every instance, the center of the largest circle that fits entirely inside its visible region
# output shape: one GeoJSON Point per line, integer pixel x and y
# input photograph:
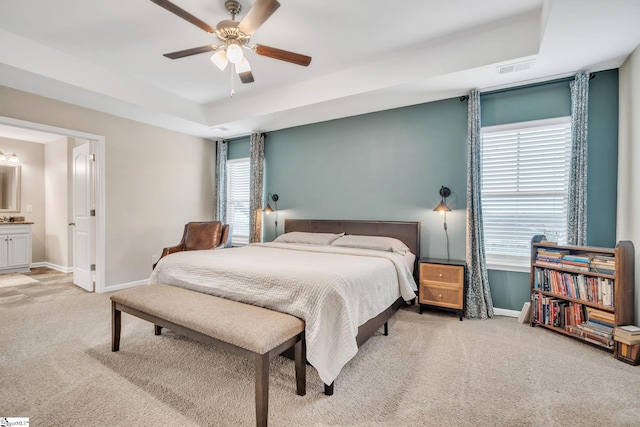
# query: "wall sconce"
{"type": "Point", "coordinates": [274, 198]}
{"type": "Point", "coordinates": [443, 209]}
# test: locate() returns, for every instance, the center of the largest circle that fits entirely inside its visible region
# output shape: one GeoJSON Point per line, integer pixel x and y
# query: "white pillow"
{"type": "Point", "coordinates": [308, 238]}
{"type": "Point", "coordinates": [379, 243]}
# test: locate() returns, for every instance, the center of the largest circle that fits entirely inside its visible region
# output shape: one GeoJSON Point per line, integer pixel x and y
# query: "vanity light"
{"type": "Point", "coordinates": [13, 158]}
{"type": "Point", "coordinates": [2, 156]}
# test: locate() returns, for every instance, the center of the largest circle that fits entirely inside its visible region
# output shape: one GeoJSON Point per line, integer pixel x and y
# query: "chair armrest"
{"type": "Point", "coordinates": [172, 249]}
{"type": "Point", "coordinates": [169, 251]}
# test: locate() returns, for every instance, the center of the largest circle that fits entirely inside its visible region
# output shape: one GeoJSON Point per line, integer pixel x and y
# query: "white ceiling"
{"type": "Point", "coordinates": [368, 55]}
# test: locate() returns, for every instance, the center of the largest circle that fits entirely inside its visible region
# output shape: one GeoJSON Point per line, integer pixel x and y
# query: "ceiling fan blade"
{"type": "Point", "coordinates": [246, 77]}
{"type": "Point", "coordinates": [184, 15]}
{"type": "Point", "coordinates": [192, 51]}
{"type": "Point", "coordinates": [283, 55]}
{"type": "Point", "coordinates": [259, 12]}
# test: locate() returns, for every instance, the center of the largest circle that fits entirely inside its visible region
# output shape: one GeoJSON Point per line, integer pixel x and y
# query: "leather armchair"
{"type": "Point", "coordinates": [201, 236]}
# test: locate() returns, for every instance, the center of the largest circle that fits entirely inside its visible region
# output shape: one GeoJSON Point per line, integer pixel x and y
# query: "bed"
{"type": "Point", "coordinates": [343, 291]}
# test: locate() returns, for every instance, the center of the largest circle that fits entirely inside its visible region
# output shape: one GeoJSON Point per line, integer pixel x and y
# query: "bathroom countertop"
{"type": "Point", "coordinates": [15, 222]}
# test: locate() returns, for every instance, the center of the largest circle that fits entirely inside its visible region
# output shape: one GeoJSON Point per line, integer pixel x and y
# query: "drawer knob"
{"type": "Point", "coordinates": [440, 274]}
{"type": "Point", "coordinates": [440, 296]}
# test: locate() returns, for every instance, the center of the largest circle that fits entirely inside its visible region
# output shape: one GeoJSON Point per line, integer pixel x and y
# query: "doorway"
{"type": "Point", "coordinates": [94, 250]}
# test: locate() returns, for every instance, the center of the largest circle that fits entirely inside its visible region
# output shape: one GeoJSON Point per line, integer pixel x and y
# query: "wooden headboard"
{"type": "Point", "coordinates": [406, 231]}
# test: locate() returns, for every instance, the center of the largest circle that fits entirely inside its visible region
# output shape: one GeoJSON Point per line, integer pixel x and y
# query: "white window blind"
{"type": "Point", "coordinates": [525, 183]}
{"type": "Point", "coordinates": [238, 199]}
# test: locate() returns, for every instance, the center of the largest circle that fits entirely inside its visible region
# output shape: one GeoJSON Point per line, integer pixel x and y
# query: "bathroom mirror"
{"type": "Point", "coordinates": [9, 187]}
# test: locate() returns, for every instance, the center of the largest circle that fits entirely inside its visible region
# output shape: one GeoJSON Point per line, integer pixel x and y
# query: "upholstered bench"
{"type": "Point", "coordinates": [254, 332]}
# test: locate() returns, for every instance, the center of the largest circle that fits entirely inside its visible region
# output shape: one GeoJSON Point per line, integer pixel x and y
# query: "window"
{"type": "Point", "coordinates": [525, 184]}
{"type": "Point", "coordinates": [238, 199]}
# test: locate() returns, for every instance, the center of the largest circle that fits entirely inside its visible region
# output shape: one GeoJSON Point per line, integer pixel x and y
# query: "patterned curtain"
{"type": "Point", "coordinates": [577, 209]}
{"type": "Point", "coordinates": [255, 187]}
{"type": "Point", "coordinates": [220, 194]}
{"type": "Point", "coordinates": [478, 301]}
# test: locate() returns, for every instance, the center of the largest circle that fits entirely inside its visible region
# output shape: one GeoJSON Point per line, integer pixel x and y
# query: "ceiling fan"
{"type": "Point", "coordinates": [234, 37]}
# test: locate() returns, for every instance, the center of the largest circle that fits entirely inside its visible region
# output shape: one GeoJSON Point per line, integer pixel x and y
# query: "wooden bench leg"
{"type": "Point", "coordinates": [116, 324]}
{"type": "Point", "coordinates": [386, 329]}
{"type": "Point", "coordinates": [157, 329]}
{"type": "Point", "coordinates": [301, 367]}
{"type": "Point", "coordinates": [262, 389]}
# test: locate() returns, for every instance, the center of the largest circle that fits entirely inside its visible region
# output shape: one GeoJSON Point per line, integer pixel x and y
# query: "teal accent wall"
{"type": "Point", "coordinates": [387, 165]}
{"type": "Point", "coordinates": [529, 103]}
{"type": "Point", "coordinates": [239, 148]}
{"type": "Point", "coordinates": [602, 164]}
{"type": "Point", "coordinates": [390, 165]}
{"type": "Point", "coordinates": [511, 289]}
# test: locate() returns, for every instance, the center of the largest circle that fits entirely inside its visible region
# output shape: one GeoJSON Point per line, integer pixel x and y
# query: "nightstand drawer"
{"type": "Point", "coordinates": [443, 296]}
{"type": "Point", "coordinates": [442, 273]}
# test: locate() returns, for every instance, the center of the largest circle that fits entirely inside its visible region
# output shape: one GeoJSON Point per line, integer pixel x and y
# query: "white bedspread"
{"type": "Point", "coordinates": [334, 290]}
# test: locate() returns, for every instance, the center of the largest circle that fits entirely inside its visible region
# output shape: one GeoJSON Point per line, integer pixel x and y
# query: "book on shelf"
{"type": "Point", "coordinates": [597, 328]}
{"type": "Point", "coordinates": [604, 318]}
{"type": "Point", "coordinates": [591, 337]}
{"type": "Point", "coordinates": [634, 341]}
{"type": "Point", "coordinates": [552, 252]}
{"type": "Point", "coordinates": [603, 269]}
{"type": "Point", "coordinates": [604, 259]}
{"type": "Point", "coordinates": [598, 290]}
{"type": "Point", "coordinates": [555, 312]}
{"type": "Point", "coordinates": [629, 329]}
{"type": "Point", "coordinates": [628, 334]}
{"type": "Point", "coordinates": [586, 258]}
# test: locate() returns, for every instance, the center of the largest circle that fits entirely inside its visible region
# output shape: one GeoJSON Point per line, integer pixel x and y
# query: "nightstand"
{"type": "Point", "coordinates": [442, 284]}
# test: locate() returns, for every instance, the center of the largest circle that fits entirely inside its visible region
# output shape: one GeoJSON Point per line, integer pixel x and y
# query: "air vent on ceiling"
{"type": "Point", "coordinates": [220, 128]}
{"type": "Point", "coordinates": [515, 67]}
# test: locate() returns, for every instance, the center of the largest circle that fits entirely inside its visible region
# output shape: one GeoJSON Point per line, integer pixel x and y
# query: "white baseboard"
{"type": "Point", "coordinates": [52, 266]}
{"type": "Point", "coordinates": [505, 312]}
{"type": "Point", "coordinates": [121, 286]}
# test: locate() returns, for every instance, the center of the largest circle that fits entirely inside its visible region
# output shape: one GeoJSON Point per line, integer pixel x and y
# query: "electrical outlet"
{"type": "Point", "coordinates": [154, 259]}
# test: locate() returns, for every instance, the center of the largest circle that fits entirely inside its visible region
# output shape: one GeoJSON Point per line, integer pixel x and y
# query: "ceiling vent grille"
{"type": "Point", "coordinates": [514, 67]}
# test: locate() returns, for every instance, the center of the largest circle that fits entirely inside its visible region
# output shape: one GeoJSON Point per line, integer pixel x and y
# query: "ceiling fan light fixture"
{"type": "Point", "coordinates": [243, 66]}
{"type": "Point", "coordinates": [220, 59]}
{"type": "Point", "coordinates": [234, 53]}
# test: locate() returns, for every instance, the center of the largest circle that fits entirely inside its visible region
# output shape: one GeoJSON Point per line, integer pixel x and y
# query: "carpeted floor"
{"type": "Point", "coordinates": [432, 370]}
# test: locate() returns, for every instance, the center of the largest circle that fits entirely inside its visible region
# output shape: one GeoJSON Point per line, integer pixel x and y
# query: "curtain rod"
{"type": "Point", "coordinates": [507, 89]}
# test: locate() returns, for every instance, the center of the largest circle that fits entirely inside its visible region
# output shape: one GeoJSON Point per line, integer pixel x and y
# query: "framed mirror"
{"type": "Point", "coordinates": [10, 187]}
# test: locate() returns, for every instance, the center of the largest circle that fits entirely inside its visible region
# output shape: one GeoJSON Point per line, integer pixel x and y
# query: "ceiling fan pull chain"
{"type": "Point", "coordinates": [233, 92]}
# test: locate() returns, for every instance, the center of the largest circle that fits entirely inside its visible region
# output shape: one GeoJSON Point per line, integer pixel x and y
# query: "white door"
{"type": "Point", "coordinates": [82, 221]}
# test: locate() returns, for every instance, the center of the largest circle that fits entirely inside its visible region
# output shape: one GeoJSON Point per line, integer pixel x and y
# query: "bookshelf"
{"type": "Point", "coordinates": [581, 291]}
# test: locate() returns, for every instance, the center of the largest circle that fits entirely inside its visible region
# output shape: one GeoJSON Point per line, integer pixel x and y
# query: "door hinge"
{"type": "Point", "coordinates": [93, 267]}
{"type": "Point", "coordinates": [92, 212]}
{"type": "Point", "coordinates": [92, 157]}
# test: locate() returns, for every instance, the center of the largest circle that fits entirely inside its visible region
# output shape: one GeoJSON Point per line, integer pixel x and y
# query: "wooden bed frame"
{"type": "Point", "coordinates": [407, 232]}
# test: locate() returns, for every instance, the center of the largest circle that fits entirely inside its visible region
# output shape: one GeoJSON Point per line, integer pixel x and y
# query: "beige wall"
{"type": "Point", "coordinates": [31, 157]}
{"type": "Point", "coordinates": [155, 180]}
{"type": "Point", "coordinates": [55, 200]}
{"type": "Point", "coordinates": [628, 224]}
